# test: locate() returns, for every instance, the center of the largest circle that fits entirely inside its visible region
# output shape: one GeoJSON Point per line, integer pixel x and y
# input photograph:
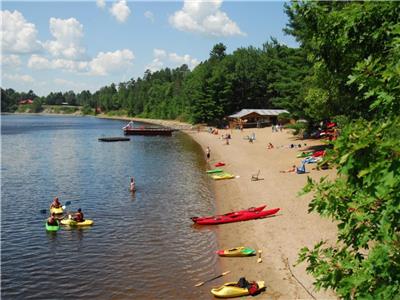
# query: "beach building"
{"type": "Point", "coordinates": [255, 117]}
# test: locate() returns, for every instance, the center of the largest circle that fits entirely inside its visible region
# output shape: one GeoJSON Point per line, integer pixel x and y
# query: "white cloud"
{"type": "Point", "coordinates": [159, 53]}
{"type": "Point", "coordinates": [102, 64]}
{"type": "Point", "coordinates": [42, 63]}
{"type": "Point", "coordinates": [17, 35]}
{"type": "Point", "coordinates": [161, 58]}
{"type": "Point", "coordinates": [120, 10]}
{"type": "Point", "coordinates": [155, 65]}
{"type": "Point", "coordinates": [204, 17]}
{"type": "Point", "coordinates": [39, 62]}
{"type": "Point", "coordinates": [10, 60]}
{"type": "Point", "coordinates": [18, 78]}
{"type": "Point", "coordinates": [149, 15]}
{"type": "Point", "coordinates": [68, 34]}
{"type": "Point", "coordinates": [185, 59]}
{"type": "Point", "coordinates": [111, 62]}
{"type": "Point", "coordinates": [101, 3]}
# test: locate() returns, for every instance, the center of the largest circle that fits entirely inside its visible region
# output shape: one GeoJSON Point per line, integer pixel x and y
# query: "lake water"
{"type": "Point", "coordinates": [141, 246]}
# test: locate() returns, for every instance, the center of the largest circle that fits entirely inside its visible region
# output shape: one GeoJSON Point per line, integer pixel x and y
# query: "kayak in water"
{"type": "Point", "coordinates": [56, 210]}
{"type": "Point", "coordinates": [52, 227]}
{"type": "Point", "coordinates": [71, 222]}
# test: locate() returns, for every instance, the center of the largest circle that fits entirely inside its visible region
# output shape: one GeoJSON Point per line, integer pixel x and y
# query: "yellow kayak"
{"type": "Point", "coordinates": [238, 251]}
{"type": "Point", "coordinates": [71, 222]}
{"type": "Point", "coordinates": [230, 289]}
{"type": "Point", "coordinates": [56, 210]}
{"type": "Point", "coordinates": [221, 176]}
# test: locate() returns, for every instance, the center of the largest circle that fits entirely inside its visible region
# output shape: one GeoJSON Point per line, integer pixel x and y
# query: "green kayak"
{"type": "Point", "coordinates": [52, 227]}
{"type": "Point", "coordinates": [214, 171]}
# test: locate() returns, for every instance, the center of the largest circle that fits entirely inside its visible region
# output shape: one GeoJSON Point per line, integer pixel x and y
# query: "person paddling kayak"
{"type": "Point", "coordinates": [52, 220]}
{"type": "Point", "coordinates": [56, 203]}
{"type": "Point", "coordinates": [78, 217]}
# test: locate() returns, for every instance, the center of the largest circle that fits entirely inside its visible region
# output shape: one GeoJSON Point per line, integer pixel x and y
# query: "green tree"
{"type": "Point", "coordinates": [354, 48]}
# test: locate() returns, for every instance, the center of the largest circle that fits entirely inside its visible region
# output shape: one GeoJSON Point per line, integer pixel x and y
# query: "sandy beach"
{"type": "Point", "coordinates": [281, 237]}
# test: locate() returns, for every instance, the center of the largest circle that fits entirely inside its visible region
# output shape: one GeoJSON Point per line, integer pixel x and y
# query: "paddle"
{"type": "Point", "coordinates": [211, 279]}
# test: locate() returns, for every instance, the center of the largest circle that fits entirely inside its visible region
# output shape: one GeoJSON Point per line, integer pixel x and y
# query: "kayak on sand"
{"type": "Point", "coordinates": [236, 217]}
{"type": "Point", "coordinates": [214, 171]}
{"type": "Point", "coordinates": [237, 252]}
{"type": "Point", "coordinates": [70, 222]}
{"type": "Point", "coordinates": [221, 176]}
{"type": "Point", "coordinates": [235, 289]}
{"type": "Point", "coordinates": [260, 208]}
{"type": "Point", "coordinates": [219, 164]}
{"type": "Point", "coordinates": [52, 227]}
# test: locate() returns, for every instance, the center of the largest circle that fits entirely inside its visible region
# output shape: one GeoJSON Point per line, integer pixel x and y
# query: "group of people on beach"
{"type": "Point", "coordinates": [53, 219]}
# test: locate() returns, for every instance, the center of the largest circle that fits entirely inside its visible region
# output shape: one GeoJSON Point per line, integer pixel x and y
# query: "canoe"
{"type": "Point", "coordinates": [222, 176]}
{"type": "Point", "coordinates": [70, 222]}
{"type": "Point", "coordinates": [52, 227]}
{"type": "Point", "coordinates": [237, 252]}
{"type": "Point", "coordinates": [230, 289]}
{"type": "Point", "coordinates": [260, 208]}
{"type": "Point", "coordinates": [56, 210]}
{"type": "Point", "coordinates": [219, 164]}
{"type": "Point", "coordinates": [237, 217]}
{"type": "Point", "coordinates": [214, 171]}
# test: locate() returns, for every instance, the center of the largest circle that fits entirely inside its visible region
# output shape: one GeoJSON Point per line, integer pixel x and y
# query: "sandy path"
{"type": "Point", "coordinates": [280, 238]}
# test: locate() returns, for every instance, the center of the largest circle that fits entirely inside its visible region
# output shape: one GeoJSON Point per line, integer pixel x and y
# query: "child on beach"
{"type": "Point", "coordinates": [291, 170]}
{"type": "Point", "coordinates": [208, 153]}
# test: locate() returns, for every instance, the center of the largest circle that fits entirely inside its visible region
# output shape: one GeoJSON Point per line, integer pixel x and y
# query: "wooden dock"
{"type": "Point", "coordinates": [114, 139]}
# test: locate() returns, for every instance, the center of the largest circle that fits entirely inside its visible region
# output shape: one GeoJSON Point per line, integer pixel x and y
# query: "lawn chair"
{"type": "Point", "coordinates": [256, 177]}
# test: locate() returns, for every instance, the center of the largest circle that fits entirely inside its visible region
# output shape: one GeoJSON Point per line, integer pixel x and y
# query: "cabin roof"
{"type": "Point", "coordinates": [261, 112]}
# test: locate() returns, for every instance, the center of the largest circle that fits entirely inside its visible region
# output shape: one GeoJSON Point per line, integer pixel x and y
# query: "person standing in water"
{"type": "Point", "coordinates": [208, 153]}
{"type": "Point", "coordinates": [132, 185]}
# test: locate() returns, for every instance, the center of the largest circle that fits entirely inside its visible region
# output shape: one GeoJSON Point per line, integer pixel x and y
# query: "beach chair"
{"type": "Point", "coordinates": [301, 170]}
{"type": "Point", "coordinates": [255, 177]}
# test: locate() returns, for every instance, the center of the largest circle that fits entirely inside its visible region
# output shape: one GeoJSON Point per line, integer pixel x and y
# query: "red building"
{"type": "Point", "coordinates": [26, 101]}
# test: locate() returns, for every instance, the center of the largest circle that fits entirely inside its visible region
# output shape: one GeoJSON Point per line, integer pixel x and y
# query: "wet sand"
{"type": "Point", "coordinates": [281, 237]}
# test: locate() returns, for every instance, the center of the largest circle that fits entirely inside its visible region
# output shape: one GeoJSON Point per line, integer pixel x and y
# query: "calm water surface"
{"type": "Point", "coordinates": [140, 247]}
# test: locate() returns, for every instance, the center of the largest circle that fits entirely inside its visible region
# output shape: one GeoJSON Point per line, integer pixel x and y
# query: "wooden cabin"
{"type": "Point", "coordinates": [255, 118]}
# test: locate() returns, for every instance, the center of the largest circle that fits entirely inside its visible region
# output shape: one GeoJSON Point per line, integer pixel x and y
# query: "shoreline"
{"type": "Point", "coordinates": [281, 237]}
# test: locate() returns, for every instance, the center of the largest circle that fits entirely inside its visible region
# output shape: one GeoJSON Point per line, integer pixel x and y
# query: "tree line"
{"type": "Point", "coordinates": [267, 77]}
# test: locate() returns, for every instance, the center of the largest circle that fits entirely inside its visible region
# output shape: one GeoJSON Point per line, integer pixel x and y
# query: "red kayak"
{"type": "Point", "coordinates": [250, 209]}
{"type": "Point", "coordinates": [219, 164]}
{"type": "Point", "coordinates": [235, 217]}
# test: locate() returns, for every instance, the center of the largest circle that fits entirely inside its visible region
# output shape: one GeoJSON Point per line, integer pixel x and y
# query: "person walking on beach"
{"type": "Point", "coordinates": [208, 153]}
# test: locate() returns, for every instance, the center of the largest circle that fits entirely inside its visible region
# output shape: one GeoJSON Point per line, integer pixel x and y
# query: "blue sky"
{"type": "Point", "coordinates": [61, 46]}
